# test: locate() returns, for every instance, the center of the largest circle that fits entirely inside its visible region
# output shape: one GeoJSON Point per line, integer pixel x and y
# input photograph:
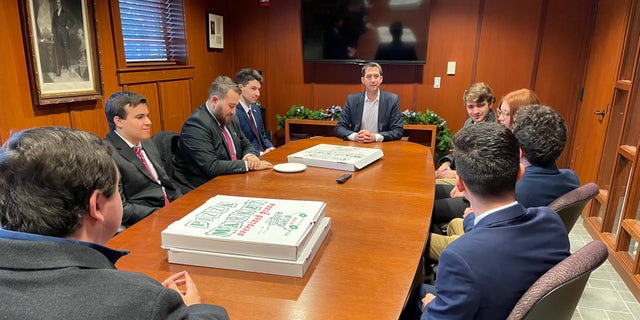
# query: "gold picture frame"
{"type": "Point", "coordinates": [62, 54]}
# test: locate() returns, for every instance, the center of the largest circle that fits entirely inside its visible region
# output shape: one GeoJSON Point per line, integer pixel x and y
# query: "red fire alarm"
{"type": "Point", "coordinates": [264, 3]}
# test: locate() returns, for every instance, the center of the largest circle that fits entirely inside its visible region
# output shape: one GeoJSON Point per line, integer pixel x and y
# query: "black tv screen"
{"type": "Point", "coordinates": [354, 31]}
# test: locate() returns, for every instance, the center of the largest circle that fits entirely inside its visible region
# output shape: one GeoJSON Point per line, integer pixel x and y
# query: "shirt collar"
{"type": "Point", "coordinates": [538, 168]}
{"type": "Point", "coordinates": [488, 212]}
{"type": "Point", "coordinates": [246, 108]}
{"type": "Point", "coordinates": [366, 97]}
{"type": "Point", "coordinates": [111, 254]}
{"type": "Point", "coordinates": [131, 145]}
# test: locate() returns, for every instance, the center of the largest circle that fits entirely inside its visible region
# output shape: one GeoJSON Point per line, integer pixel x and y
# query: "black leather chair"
{"type": "Point", "coordinates": [167, 143]}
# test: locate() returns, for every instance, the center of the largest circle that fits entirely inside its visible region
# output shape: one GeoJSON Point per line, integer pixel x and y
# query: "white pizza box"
{"type": "Point", "coordinates": [258, 227]}
{"type": "Point", "coordinates": [295, 268]}
{"type": "Point", "coordinates": [336, 157]}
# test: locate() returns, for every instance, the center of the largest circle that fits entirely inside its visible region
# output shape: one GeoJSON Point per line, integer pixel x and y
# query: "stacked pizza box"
{"type": "Point", "coordinates": [275, 236]}
{"type": "Point", "coordinates": [336, 157]}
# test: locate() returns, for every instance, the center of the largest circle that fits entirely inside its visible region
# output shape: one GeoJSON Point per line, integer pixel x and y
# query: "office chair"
{"type": "Point", "coordinates": [556, 293]}
{"type": "Point", "coordinates": [167, 143]}
{"type": "Point", "coordinates": [569, 205]}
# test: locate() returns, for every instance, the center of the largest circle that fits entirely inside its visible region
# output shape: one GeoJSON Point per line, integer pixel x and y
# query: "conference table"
{"type": "Point", "coordinates": [366, 265]}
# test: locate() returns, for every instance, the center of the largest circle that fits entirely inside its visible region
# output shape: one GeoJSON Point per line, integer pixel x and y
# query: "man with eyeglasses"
{"type": "Point", "coordinates": [373, 115]}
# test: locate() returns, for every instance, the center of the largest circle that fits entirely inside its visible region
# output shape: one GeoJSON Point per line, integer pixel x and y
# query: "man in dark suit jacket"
{"type": "Point", "coordinates": [542, 134]}
{"type": "Point", "coordinates": [203, 152]}
{"type": "Point", "coordinates": [60, 204]}
{"type": "Point", "coordinates": [144, 188]}
{"type": "Point", "coordinates": [373, 115]}
{"type": "Point", "coordinates": [483, 273]}
{"type": "Point", "coordinates": [248, 112]}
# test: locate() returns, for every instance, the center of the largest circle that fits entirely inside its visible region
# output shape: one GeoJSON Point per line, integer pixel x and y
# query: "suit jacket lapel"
{"type": "Point", "coordinates": [233, 129]}
{"type": "Point", "coordinates": [254, 128]}
{"type": "Point", "coordinates": [216, 128]}
{"type": "Point", "coordinates": [357, 115]}
{"type": "Point", "coordinates": [127, 153]}
{"type": "Point", "coordinates": [152, 155]}
{"type": "Point", "coordinates": [382, 103]}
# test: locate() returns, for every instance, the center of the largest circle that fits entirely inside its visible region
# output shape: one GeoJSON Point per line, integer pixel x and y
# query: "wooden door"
{"type": "Point", "coordinates": [602, 69]}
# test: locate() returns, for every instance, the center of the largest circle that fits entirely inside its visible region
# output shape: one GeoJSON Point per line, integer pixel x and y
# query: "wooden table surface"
{"type": "Point", "coordinates": [365, 267]}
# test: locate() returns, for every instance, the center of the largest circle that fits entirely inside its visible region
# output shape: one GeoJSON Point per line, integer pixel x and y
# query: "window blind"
{"type": "Point", "coordinates": [153, 30]}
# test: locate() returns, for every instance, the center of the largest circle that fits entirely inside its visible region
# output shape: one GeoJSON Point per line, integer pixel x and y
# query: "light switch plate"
{"type": "Point", "coordinates": [436, 82]}
{"type": "Point", "coordinates": [451, 68]}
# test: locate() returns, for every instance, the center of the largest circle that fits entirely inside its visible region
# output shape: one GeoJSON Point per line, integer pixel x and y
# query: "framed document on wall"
{"type": "Point", "coordinates": [215, 31]}
{"type": "Point", "coordinates": [62, 55]}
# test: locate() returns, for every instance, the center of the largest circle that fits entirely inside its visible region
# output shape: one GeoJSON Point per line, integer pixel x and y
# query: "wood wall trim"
{"type": "Point", "coordinates": [536, 59]}
{"type": "Point", "coordinates": [154, 74]}
{"type": "Point", "coordinates": [476, 46]}
{"type": "Point", "coordinates": [116, 25]}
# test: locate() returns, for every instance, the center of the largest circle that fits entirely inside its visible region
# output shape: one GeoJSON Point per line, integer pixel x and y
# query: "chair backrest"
{"type": "Point", "coordinates": [556, 293]}
{"type": "Point", "coordinates": [167, 143]}
{"type": "Point", "coordinates": [569, 205]}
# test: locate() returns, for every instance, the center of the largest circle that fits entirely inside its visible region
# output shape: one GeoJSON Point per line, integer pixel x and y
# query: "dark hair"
{"type": "Point", "coordinates": [116, 104]}
{"type": "Point", "coordinates": [370, 64]}
{"type": "Point", "coordinates": [221, 86]}
{"type": "Point", "coordinates": [542, 133]}
{"type": "Point", "coordinates": [47, 176]}
{"type": "Point", "coordinates": [487, 158]}
{"type": "Point", "coordinates": [247, 74]}
{"type": "Point", "coordinates": [396, 30]}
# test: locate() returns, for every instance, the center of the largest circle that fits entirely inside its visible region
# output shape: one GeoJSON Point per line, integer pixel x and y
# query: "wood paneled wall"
{"type": "Point", "coordinates": [171, 97]}
{"type": "Point", "coordinates": [540, 44]}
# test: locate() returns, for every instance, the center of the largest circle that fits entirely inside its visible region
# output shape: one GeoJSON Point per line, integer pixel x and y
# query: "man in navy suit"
{"type": "Point", "coordinates": [211, 142]}
{"type": "Point", "coordinates": [250, 81]}
{"type": "Point", "coordinates": [373, 115]}
{"type": "Point", "coordinates": [144, 185]}
{"type": "Point", "coordinates": [483, 273]}
{"type": "Point", "coordinates": [542, 134]}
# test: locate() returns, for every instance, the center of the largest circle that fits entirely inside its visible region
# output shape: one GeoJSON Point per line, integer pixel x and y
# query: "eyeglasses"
{"type": "Point", "coordinates": [505, 113]}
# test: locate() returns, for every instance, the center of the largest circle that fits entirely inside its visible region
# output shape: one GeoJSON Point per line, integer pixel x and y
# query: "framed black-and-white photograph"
{"type": "Point", "coordinates": [61, 43]}
{"type": "Point", "coordinates": [215, 32]}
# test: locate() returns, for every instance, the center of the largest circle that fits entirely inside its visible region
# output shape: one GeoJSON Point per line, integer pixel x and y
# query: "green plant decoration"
{"type": "Point", "coordinates": [443, 135]}
{"type": "Point", "coordinates": [300, 112]}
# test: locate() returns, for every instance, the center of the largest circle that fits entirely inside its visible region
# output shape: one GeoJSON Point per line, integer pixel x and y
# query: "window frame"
{"type": "Point", "coordinates": [145, 71]}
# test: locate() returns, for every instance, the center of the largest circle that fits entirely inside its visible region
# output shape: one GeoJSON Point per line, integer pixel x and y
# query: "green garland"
{"type": "Point", "coordinates": [300, 112]}
{"type": "Point", "coordinates": [443, 136]}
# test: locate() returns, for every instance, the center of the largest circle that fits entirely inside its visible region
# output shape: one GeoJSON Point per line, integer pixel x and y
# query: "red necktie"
{"type": "Point", "coordinates": [255, 129]}
{"type": "Point", "coordinates": [232, 147]}
{"type": "Point", "coordinates": [138, 152]}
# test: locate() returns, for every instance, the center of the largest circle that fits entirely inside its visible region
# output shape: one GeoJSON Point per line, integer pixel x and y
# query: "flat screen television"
{"type": "Point", "coordinates": [355, 31]}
